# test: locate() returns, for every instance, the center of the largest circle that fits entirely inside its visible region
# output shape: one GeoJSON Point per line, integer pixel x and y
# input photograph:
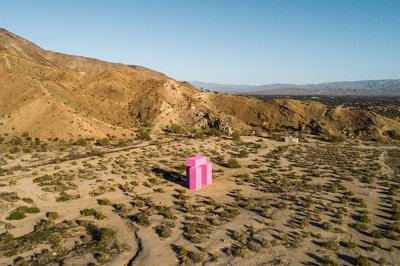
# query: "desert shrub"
{"type": "Point", "coordinates": [350, 245]}
{"type": "Point", "coordinates": [92, 212]}
{"type": "Point", "coordinates": [105, 238]}
{"type": "Point", "coordinates": [95, 152]}
{"type": "Point", "coordinates": [143, 134]}
{"type": "Point", "coordinates": [199, 134]}
{"type": "Point", "coordinates": [360, 226]}
{"type": "Point", "coordinates": [103, 142]}
{"type": "Point", "coordinates": [330, 245]}
{"type": "Point", "coordinates": [16, 215]}
{"type": "Point", "coordinates": [28, 200]}
{"type": "Point", "coordinates": [19, 213]}
{"type": "Point", "coordinates": [395, 227]}
{"type": "Point", "coordinates": [43, 224]}
{"type": "Point", "coordinates": [52, 215]}
{"type": "Point", "coordinates": [16, 141]}
{"type": "Point", "coordinates": [276, 136]}
{"type": "Point", "coordinates": [333, 138]}
{"type": "Point", "coordinates": [153, 180]}
{"type": "Point", "coordinates": [9, 226]}
{"type": "Point", "coordinates": [26, 209]}
{"type": "Point", "coordinates": [81, 142]}
{"type": "Point", "coordinates": [236, 136]}
{"type": "Point", "coordinates": [88, 212]}
{"type": "Point", "coordinates": [363, 218]}
{"type": "Point", "coordinates": [159, 190]}
{"type": "Point", "coordinates": [327, 261]}
{"type": "Point", "coordinates": [26, 136]}
{"type": "Point", "coordinates": [5, 238]}
{"type": "Point", "coordinates": [327, 226]}
{"type": "Point", "coordinates": [166, 212]}
{"type": "Point", "coordinates": [362, 261]}
{"type": "Point", "coordinates": [187, 256]}
{"type": "Point", "coordinates": [14, 149]}
{"type": "Point", "coordinates": [240, 252]}
{"type": "Point", "coordinates": [9, 196]}
{"type": "Point", "coordinates": [229, 213]}
{"type": "Point", "coordinates": [392, 190]}
{"type": "Point", "coordinates": [104, 201]}
{"type": "Point", "coordinates": [102, 189]}
{"type": "Point", "coordinates": [382, 261]}
{"type": "Point", "coordinates": [233, 163]}
{"type": "Point", "coordinates": [121, 143]}
{"type": "Point", "coordinates": [165, 231]}
{"type": "Point", "coordinates": [142, 219]}
{"type": "Point", "coordinates": [212, 131]}
{"type": "Point", "coordinates": [376, 234]}
{"type": "Point", "coordinates": [66, 197]}
{"type": "Point", "coordinates": [174, 128]}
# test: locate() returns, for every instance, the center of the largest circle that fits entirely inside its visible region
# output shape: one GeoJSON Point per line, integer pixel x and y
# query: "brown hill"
{"type": "Point", "coordinates": [49, 94]}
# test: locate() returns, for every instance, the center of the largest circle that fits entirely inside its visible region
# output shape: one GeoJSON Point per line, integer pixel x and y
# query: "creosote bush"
{"type": "Point", "coordinates": [143, 134]}
{"type": "Point", "coordinates": [233, 163]}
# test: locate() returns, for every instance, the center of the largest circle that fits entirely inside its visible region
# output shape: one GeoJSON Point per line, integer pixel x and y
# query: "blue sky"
{"type": "Point", "coordinates": [234, 42]}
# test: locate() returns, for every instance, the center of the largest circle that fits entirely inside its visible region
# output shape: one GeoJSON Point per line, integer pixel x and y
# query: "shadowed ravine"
{"type": "Point", "coordinates": [139, 250]}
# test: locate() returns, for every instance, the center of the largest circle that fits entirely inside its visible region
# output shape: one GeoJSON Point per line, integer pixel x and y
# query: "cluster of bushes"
{"type": "Point", "coordinates": [9, 196]}
{"type": "Point", "coordinates": [143, 134]}
{"type": "Point", "coordinates": [165, 230]}
{"type": "Point", "coordinates": [246, 240]}
{"type": "Point", "coordinates": [63, 196]}
{"type": "Point", "coordinates": [188, 257]}
{"type": "Point", "coordinates": [174, 129]}
{"type": "Point", "coordinates": [142, 218]}
{"type": "Point", "coordinates": [89, 239]}
{"type": "Point", "coordinates": [194, 231]}
{"type": "Point", "coordinates": [92, 212]}
{"type": "Point", "coordinates": [46, 224]}
{"type": "Point", "coordinates": [20, 212]}
{"type": "Point", "coordinates": [59, 182]}
{"type": "Point", "coordinates": [207, 132]}
{"type": "Point", "coordinates": [333, 138]}
{"type": "Point", "coordinates": [232, 163]}
{"type": "Point", "coordinates": [104, 201]}
{"type": "Point", "coordinates": [24, 143]}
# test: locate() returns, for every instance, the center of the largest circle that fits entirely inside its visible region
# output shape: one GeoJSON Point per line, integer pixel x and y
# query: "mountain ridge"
{"type": "Point", "coordinates": [389, 87]}
{"type": "Point", "coordinates": [54, 95]}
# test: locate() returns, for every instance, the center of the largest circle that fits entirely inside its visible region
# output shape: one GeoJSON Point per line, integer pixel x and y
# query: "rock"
{"type": "Point", "coordinates": [315, 127]}
{"type": "Point", "coordinates": [218, 123]}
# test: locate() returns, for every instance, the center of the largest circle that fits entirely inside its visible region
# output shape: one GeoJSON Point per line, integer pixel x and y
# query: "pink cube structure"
{"type": "Point", "coordinates": [206, 174]}
{"type": "Point", "coordinates": [196, 161]}
{"type": "Point", "coordinates": [198, 172]}
{"type": "Point", "coordinates": [194, 178]}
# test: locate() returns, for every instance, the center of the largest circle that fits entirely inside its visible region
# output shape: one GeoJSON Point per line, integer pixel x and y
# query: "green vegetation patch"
{"type": "Point", "coordinates": [87, 238]}
{"type": "Point", "coordinates": [57, 182]}
{"type": "Point", "coordinates": [9, 196]}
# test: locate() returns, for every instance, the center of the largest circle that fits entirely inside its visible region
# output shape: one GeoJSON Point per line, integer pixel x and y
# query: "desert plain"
{"type": "Point", "coordinates": [124, 201]}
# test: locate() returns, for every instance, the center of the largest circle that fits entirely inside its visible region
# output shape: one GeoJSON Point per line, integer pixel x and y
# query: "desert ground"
{"type": "Point", "coordinates": [124, 202]}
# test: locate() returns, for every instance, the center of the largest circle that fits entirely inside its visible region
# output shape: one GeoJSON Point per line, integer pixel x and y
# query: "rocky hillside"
{"type": "Point", "coordinates": [49, 95]}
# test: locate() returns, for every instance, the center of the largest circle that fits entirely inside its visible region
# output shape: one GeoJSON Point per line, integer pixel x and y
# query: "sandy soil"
{"type": "Point", "coordinates": [300, 187]}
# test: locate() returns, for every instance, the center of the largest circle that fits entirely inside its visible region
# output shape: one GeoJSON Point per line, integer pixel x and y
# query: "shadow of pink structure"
{"type": "Point", "coordinates": [198, 172]}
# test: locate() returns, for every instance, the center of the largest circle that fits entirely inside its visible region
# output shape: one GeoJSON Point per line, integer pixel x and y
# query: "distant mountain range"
{"type": "Point", "coordinates": [386, 87]}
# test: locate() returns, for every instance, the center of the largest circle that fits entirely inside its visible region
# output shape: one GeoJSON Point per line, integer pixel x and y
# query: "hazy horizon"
{"type": "Point", "coordinates": [285, 83]}
{"type": "Point", "coordinates": [225, 42]}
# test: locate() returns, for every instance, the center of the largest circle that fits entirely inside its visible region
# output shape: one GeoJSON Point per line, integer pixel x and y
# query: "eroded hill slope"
{"type": "Point", "coordinates": [49, 94]}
